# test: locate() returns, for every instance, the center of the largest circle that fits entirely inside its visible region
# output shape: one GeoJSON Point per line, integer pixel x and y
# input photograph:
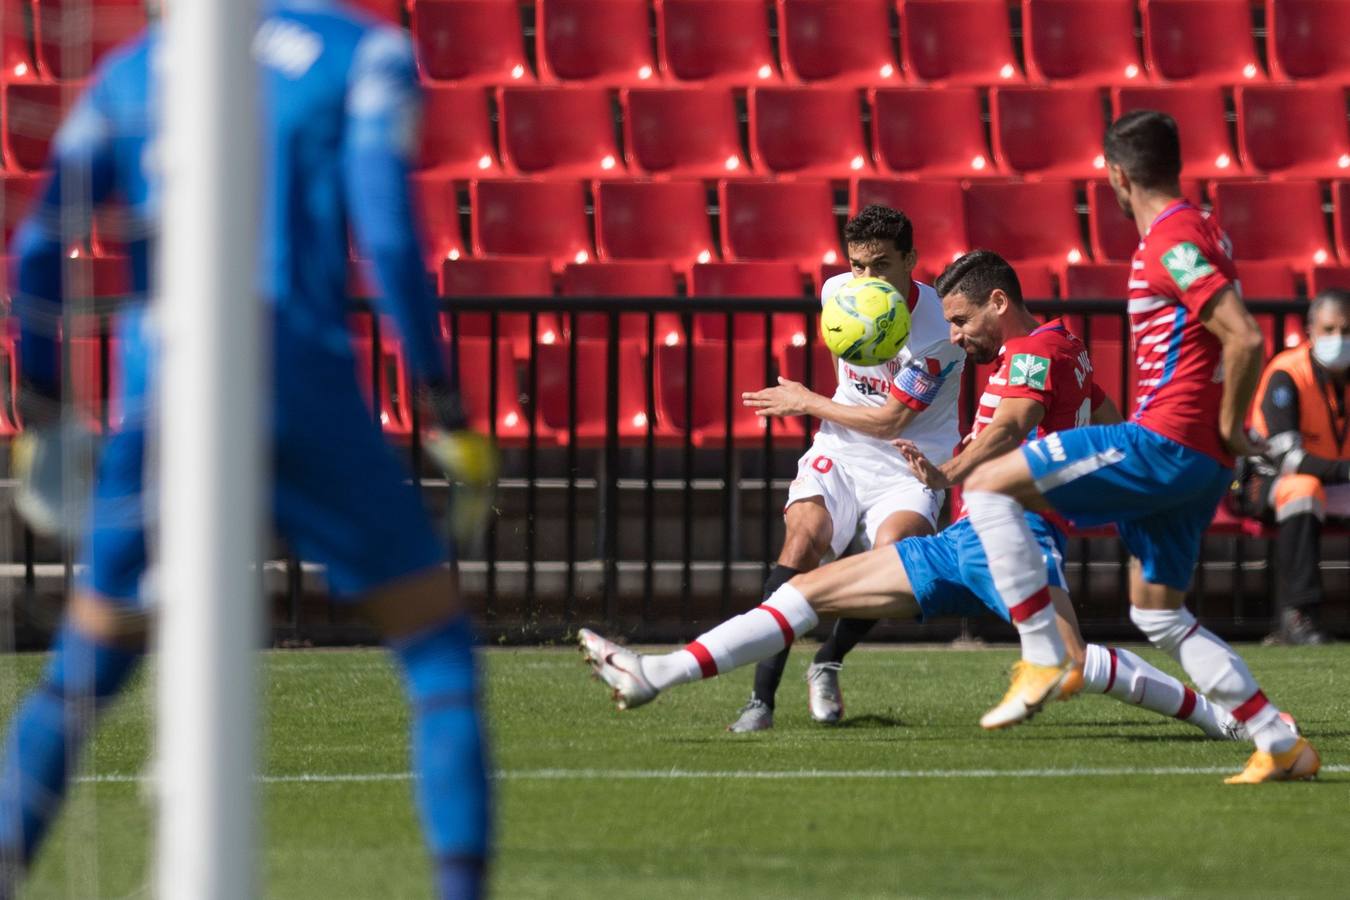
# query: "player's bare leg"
{"type": "Point", "coordinates": [809, 532]}
{"type": "Point", "coordinates": [824, 697]}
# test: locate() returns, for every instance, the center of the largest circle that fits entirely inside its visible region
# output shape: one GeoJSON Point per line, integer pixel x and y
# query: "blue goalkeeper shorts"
{"type": "Point", "coordinates": [1160, 495]}
{"type": "Point", "coordinates": [950, 573]}
{"type": "Point", "coordinates": [339, 496]}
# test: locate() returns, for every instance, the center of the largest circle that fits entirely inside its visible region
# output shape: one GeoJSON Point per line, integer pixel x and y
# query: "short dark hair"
{"type": "Point", "coordinates": [1334, 296]}
{"type": "Point", "coordinates": [880, 223]}
{"type": "Point", "coordinates": [977, 275]}
{"type": "Point", "coordinates": [1145, 143]}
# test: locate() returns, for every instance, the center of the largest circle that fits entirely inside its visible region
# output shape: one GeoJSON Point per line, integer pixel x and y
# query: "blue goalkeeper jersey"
{"type": "Point", "coordinates": [340, 110]}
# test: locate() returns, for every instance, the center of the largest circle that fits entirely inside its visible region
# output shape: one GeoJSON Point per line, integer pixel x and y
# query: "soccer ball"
{"type": "Point", "coordinates": [865, 322]}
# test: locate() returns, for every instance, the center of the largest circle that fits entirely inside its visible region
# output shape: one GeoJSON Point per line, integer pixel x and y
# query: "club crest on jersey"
{"type": "Point", "coordinates": [1030, 370]}
{"type": "Point", "coordinates": [1186, 264]}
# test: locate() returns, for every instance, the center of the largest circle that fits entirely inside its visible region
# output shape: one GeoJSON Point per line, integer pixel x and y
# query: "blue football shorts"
{"type": "Point", "coordinates": [1160, 495]}
{"type": "Point", "coordinates": [950, 573]}
{"type": "Point", "coordinates": [339, 495]}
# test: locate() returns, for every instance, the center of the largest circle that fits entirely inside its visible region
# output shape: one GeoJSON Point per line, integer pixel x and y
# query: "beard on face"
{"type": "Point", "coordinates": [980, 353]}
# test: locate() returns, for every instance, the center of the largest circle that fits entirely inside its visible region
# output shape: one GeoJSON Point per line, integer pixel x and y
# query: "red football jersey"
{"type": "Point", "coordinates": [1051, 366]}
{"type": "Point", "coordinates": [1182, 263]}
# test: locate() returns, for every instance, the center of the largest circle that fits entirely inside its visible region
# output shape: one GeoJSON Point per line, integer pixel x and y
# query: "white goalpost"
{"type": "Point", "coordinates": [210, 417]}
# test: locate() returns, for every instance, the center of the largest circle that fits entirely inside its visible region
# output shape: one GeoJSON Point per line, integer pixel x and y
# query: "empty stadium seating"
{"type": "Point", "coordinates": [958, 42]}
{"type": "Point", "coordinates": [17, 191]}
{"type": "Point", "coordinates": [16, 61]}
{"type": "Point", "coordinates": [32, 113]}
{"type": "Point", "coordinates": [1308, 39]}
{"type": "Point", "coordinates": [1274, 220]}
{"type": "Point", "coordinates": [1200, 41]}
{"type": "Point", "coordinates": [438, 217]}
{"type": "Point", "coordinates": [1096, 281]}
{"type": "Point", "coordinates": [557, 380]}
{"type": "Point", "coordinates": [788, 220]}
{"type": "Point", "coordinates": [1267, 280]}
{"type": "Point", "coordinates": [561, 132]}
{"type": "Point", "coordinates": [1113, 236]}
{"type": "Point", "coordinates": [1340, 201]}
{"type": "Point", "coordinates": [653, 220]}
{"type": "Point", "coordinates": [535, 218]}
{"type": "Point", "coordinates": [601, 41]}
{"type": "Point", "coordinates": [843, 41]}
{"type": "Point", "coordinates": [745, 279]}
{"type": "Point", "coordinates": [1085, 42]}
{"type": "Point", "coordinates": [1321, 278]}
{"type": "Point", "coordinates": [382, 360]}
{"type": "Point", "coordinates": [714, 392]}
{"type": "Point", "coordinates": [683, 132]}
{"type": "Point", "coordinates": [1206, 149]}
{"type": "Point", "coordinates": [716, 41]}
{"type": "Point", "coordinates": [470, 41]}
{"type": "Point", "coordinates": [457, 133]}
{"type": "Point", "coordinates": [522, 276]}
{"type": "Point", "coordinates": [509, 425]}
{"type": "Point", "coordinates": [792, 357]}
{"type": "Point", "coordinates": [71, 36]}
{"type": "Point", "coordinates": [929, 133]}
{"type": "Point", "coordinates": [936, 208]}
{"type": "Point", "coordinates": [1031, 222]}
{"type": "Point", "coordinates": [815, 132]}
{"type": "Point", "coordinates": [626, 278]}
{"type": "Point", "coordinates": [1293, 131]}
{"type": "Point", "coordinates": [1024, 118]}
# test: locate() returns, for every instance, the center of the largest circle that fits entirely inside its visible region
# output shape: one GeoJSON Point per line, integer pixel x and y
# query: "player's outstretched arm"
{"type": "Point", "coordinates": [1227, 319]}
{"type": "Point", "coordinates": [1014, 419]}
{"type": "Point", "coordinates": [789, 398]}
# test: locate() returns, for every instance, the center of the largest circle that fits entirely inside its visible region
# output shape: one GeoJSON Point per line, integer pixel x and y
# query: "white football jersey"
{"type": "Point", "coordinates": [925, 375]}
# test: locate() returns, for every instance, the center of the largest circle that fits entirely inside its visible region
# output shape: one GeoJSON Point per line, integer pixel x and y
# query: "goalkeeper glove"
{"type": "Point", "coordinates": [468, 459]}
{"type": "Point", "coordinates": [52, 462]}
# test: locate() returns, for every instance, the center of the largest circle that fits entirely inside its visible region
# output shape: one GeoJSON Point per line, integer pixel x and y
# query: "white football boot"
{"type": "Point", "coordinates": [823, 696]}
{"type": "Point", "coordinates": [756, 715]}
{"type": "Point", "coordinates": [618, 667]}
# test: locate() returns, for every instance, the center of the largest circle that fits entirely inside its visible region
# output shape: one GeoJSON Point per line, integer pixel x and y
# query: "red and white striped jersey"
{"type": "Point", "coordinates": [1182, 263]}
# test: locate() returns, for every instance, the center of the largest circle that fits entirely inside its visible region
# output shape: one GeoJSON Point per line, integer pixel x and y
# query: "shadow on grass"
{"type": "Point", "coordinates": [870, 720]}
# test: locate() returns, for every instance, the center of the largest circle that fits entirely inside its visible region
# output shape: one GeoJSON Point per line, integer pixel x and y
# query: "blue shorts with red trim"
{"type": "Point", "coordinates": [1160, 495]}
{"type": "Point", "coordinates": [949, 572]}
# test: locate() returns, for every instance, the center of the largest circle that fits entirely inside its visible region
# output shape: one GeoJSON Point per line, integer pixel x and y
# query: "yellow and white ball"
{"type": "Point", "coordinates": [866, 322]}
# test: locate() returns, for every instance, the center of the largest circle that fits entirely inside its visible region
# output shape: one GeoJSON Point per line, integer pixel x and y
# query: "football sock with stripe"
{"type": "Point", "coordinates": [1130, 679]}
{"type": "Point", "coordinates": [1217, 671]}
{"type": "Point", "coordinates": [769, 672]}
{"type": "Point", "coordinates": [846, 634]}
{"type": "Point", "coordinates": [749, 637]}
{"type": "Point", "coordinates": [449, 758]}
{"type": "Point", "coordinates": [48, 732]}
{"type": "Point", "coordinates": [1018, 570]}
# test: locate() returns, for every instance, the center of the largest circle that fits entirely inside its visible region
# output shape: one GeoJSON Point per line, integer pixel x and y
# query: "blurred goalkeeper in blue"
{"type": "Point", "coordinates": [340, 125]}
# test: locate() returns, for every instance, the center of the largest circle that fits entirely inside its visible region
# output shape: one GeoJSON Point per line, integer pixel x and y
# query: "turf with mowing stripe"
{"type": "Point", "coordinates": [1085, 835]}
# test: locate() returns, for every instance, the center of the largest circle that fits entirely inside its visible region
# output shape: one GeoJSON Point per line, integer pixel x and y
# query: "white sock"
{"type": "Point", "coordinates": [1217, 671]}
{"type": "Point", "coordinates": [748, 638]}
{"type": "Point", "coordinates": [1129, 678]}
{"type": "Point", "coordinates": [1018, 569]}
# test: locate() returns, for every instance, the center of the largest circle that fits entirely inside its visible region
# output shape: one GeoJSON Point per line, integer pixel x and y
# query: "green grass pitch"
{"type": "Point", "coordinates": [903, 800]}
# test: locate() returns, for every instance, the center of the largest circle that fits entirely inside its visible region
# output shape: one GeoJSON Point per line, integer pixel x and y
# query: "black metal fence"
{"type": "Point", "coordinates": [637, 493]}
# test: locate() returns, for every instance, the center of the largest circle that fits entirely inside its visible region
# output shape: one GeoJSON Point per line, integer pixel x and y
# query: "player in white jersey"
{"type": "Point", "coordinates": [852, 483]}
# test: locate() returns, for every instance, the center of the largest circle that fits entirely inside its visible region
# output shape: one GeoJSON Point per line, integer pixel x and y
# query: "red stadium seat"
{"type": "Point", "coordinates": [602, 41]}
{"type": "Point", "coordinates": [958, 42]}
{"type": "Point", "coordinates": [1340, 201]}
{"type": "Point", "coordinates": [653, 220]}
{"type": "Point", "coordinates": [791, 220]}
{"type": "Point", "coordinates": [711, 389]}
{"type": "Point", "coordinates": [1274, 220]}
{"type": "Point", "coordinates": [1115, 237]}
{"type": "Point", "coordinates": [588, 387]}
{"type": "Point", "coordinates": [522, 276]}
{"type": "Point", "coordinates": [33, 112]}
{"type": "Point", "coordinates": [1086, 42]}
{"type": "Point", "coordinates": [815, 132]}
{"type": "Point", "coordinates": [629, 278]}
{"type": "Point", "coordinates": [457, 133]}
{"type": "Point", "coordinates": [16, 62]}
{"type": "Point", "coordinates": [1033, 223]}
{"type": "Point", "coordinates": [532, 218]}
{"type": "Point", "coordinates": [1321, 278]}
{"type": "Point", "coordinates": [510, 424]}
{"type": "Point", "coordinates": [1096, 281]}
{"type": "Point", "coordinates": [17, 192]}
{"type": "Point", "coordinates": [716, 41]}
{"type": "Point", "coordinates": [842, 41]}
{"type": "Point", "coordinates": [438, 217]}
{"type": "Point", "coordinates": [1267, 280]}
{"type": "Point", "coordinates": [823, 377]}
{"type": "Point", "coordinates": [1206, 149]}
{"type": "Point", "coordinates": [1308, 39]}
{"type": "Point", "coordinates": [71, 36]}
{"type": "Point", "coordinates": [747, 279]}
{"type": "Point", "coordinates": [683, 132]}
{"type": "Point", "coordinates": [929, 133]}
{"type": "Point", "coordinates": [937, 210]}
{"type": "Point", "coordinates": [1293, 131]}
{"type": "Point", "coordinates": [560, 132]}
{"type": "Point", "coordinates": [1200, 41]}
{"type": "Point", "coordinates": [1023, 117]}
{"type": "Point", "coordinates": [470, 41]}
{"type": "Point", "coordinates": [1037, 279]}
{"type": "Point", "coordinates": [395, 388]}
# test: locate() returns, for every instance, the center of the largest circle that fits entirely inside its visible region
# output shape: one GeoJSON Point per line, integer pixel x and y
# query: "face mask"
{"type": "Point", "coordinates": [1332, 351]}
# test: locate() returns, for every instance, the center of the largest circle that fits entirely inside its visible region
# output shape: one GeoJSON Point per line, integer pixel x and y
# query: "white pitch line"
{"type": "Point", "coordinates": [734, 774]}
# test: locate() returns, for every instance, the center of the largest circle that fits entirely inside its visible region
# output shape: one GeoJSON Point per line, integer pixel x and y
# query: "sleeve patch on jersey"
{"type": "Point", "coordinates": [1186, 264]}
{"type": "Point", "coordinates": [1029, 370]}
{"type": "Point", "coordinates": [919, 381]}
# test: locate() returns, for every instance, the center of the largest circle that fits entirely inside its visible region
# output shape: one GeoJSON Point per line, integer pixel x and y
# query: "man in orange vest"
{"type": "Point", "coordinates": [1304, 478]}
